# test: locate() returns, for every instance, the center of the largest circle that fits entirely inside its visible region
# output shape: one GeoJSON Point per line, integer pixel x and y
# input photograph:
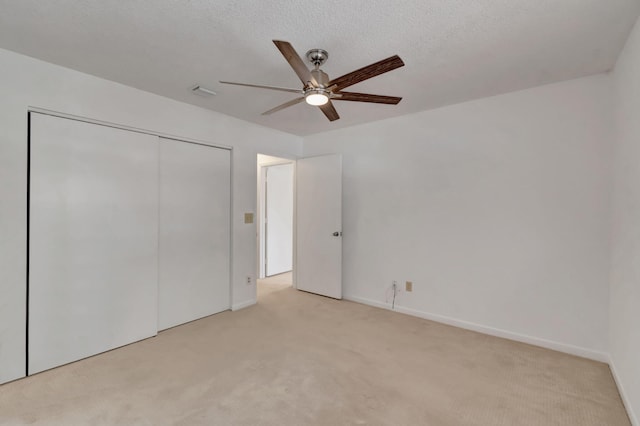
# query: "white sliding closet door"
{"type": "Point", "coordinates": [93, 240]}
{"type": "Point", "coordinates": [195, 222]}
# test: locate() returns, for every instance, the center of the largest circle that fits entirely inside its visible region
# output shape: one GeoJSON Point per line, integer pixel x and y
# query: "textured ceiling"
{"type": "Point", "coordinates": [454, 50]}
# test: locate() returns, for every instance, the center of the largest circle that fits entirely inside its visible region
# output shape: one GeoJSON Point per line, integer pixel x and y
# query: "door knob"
{"type": "Point", "coordinates": [337, 234]}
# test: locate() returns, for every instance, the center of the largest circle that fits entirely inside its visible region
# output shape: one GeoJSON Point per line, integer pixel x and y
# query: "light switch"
{"type": "Point", "coordinates": [248, 218]}
{"type": "Point", "coordinates": [408, 286]}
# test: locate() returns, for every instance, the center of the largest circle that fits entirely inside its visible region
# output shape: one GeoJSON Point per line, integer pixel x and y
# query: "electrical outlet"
{"type": "Point", "coordinates": [408, 286]}
{"type": "Point", "coordinates": [249, 279]}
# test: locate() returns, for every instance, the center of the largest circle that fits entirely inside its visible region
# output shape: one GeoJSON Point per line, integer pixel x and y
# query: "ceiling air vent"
{"type": "Point", "coordinates": [203, 91]}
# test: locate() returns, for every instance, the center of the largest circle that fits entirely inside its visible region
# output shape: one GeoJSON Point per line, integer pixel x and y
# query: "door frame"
{"type": "Point", "coordinates": [276, 160]}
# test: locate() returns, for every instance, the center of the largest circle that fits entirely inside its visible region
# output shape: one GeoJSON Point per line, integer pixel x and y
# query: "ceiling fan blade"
{"type": "Point", "coordinates": [330, 111]}
{"type": "Point", "coordinates": [366, 97]}
{"type": "Point", "coordinates": [295, 61]}
{"type": "Point", "coordinates": [259, 86]}
{"type": "Point", "coordinates": [284, 105]}
{"type": "Point", "coordinates": [367, 72]}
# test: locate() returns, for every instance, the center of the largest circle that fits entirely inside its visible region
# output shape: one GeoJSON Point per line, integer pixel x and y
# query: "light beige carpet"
{"type": "Point", "coordinates": [301, 359]}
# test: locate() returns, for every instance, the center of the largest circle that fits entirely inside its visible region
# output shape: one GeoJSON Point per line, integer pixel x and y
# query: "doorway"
{"type": "Point", "coordinates": [275, 220]}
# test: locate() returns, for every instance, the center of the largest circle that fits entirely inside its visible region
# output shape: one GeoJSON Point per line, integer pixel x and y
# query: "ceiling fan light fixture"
{"type": "Point", "coordinates": [316, 98]}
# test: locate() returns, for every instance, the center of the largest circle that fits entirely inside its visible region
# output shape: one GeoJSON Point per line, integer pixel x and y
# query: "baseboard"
{"type": "Point", "coordinates": [242, 305]}
{"type": "Point", "coordinates": [625, 399]}
{"type": "Point", "coordinates": [549, 344]}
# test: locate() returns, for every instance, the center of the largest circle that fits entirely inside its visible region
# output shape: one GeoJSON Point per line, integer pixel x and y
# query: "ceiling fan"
{"type": "Point", "coordinates": [318, 90]}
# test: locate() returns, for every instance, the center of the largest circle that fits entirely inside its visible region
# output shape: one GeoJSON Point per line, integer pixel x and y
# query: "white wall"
{"type": "Point", "coordinates": [625, 272]}
{"type": "Point", "coordinates": [28, 82]}
{"type": "Point", "coordinates": [498, 210]}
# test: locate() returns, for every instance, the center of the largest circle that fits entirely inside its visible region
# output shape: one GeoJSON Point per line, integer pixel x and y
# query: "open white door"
{"type": "Point", "coordinates": [279, 219]}
{"type": "Point", "coordinates": [319, 225]}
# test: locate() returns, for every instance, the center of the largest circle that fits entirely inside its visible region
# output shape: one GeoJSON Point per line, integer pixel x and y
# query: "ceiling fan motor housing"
{"type": "Point", "coordinates": [318, 94]}
{"type": "Point", "coordinates": [321, 77]}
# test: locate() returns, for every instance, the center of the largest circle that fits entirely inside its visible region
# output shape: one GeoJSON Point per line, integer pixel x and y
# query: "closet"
{"type": "Point", "coordinates": [128, 234]}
